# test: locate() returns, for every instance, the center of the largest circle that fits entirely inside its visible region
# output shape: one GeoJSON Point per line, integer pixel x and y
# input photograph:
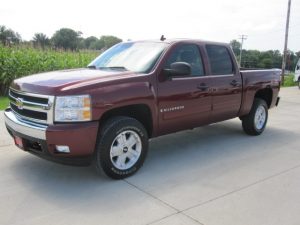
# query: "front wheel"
{"type": "Point", "coordinates": [255, 122]}
{"type": "Point", "coordinates": [122, 147]}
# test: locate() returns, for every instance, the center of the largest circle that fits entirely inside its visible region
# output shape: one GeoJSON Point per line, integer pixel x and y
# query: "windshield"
{"type": "Point", "coordinates": [138, 57]}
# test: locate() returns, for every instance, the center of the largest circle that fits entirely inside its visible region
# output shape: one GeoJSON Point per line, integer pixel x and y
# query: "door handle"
{"type": "Point", "coordinates": [234, 83]}
{"type": "Point", "coordinates": [202, 87]}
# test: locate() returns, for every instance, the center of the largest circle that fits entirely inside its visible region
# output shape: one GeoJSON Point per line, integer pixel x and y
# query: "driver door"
{"type": "Point", "coordinates": [184, 102]}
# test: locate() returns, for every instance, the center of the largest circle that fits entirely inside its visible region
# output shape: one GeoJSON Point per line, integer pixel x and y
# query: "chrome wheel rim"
{"type": "Point", "coordinates": [260, 117]}
{"type": "Point", "coordinates": [125, 150]}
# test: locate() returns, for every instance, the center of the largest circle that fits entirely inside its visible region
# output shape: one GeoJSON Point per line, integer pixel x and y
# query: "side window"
{"type": "Point", "coordinates": [220, 60]}
{"type": "Point", "coordinates": [188, 53]}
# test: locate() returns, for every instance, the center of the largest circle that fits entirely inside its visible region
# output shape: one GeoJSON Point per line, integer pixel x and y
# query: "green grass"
{"type": "Point", "coordinates": [3, 102]}
{"type": "Point", "coordinates": [289, 81]}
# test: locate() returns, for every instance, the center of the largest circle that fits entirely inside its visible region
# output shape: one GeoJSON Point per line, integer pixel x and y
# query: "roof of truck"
{"type": "Point", "coordinates": [178, 40]}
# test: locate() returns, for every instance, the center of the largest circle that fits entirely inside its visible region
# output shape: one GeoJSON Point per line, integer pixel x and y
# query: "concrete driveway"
{"type": "Point", "coordinates": [214, 175]}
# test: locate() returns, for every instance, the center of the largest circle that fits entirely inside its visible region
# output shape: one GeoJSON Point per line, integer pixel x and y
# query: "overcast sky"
{"type": "Point", "coordinates": [262, 20]}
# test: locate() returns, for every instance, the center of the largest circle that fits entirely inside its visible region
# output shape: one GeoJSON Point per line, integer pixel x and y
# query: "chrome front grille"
{"type": "Point", "coordinates": [32, 107]}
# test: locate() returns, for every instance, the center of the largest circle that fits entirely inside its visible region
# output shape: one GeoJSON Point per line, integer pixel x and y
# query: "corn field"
{"type": "Point", "coordinates": [19, 61]}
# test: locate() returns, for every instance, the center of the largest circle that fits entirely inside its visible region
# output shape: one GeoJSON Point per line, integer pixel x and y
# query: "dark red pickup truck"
{"type": "Point", "coordinates": [105, 114]}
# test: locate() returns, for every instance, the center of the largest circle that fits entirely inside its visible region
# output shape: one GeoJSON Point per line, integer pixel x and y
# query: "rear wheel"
{"type": "Point", "coordinates": [255, 122]}
{"type": "Point", "coordinates": [122, 147]}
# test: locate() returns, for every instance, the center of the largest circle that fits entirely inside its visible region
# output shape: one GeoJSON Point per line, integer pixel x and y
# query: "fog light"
{"type": "Point", "coordinates": [62, 148]}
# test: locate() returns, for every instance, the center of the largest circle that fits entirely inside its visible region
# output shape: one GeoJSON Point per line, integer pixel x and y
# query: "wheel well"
{"type": "Point", "coordinates": [140, 112]}
{"type": "Point", "coordinates": [265, 94]}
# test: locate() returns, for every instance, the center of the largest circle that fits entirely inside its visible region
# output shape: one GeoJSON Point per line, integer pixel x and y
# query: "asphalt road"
{"type": "Point", "coordinates": [214, 175]}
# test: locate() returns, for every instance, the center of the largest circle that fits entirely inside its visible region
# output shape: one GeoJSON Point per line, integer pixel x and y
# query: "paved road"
{"type": "Point", "coordinates": [215, 175]}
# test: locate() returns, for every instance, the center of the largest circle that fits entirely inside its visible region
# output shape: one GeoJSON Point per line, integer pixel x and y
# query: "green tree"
{"type": "Point", "coordinates": [110, 40]}
{"type": "Point", "coordinates": [267, 63]}
{"type": "Point", "coordinates": [292, 60]}
{"type": "Point", "coordinates": [250, 58]}
{"type": "Point", "coordinates": [236, 46]}
{"type": "Point", "coordinates": [277, 59]}
{"type": "Point", "coordinates": [98, 45]}
{"type": "Point", "coordinates": [66, 38]}
{"type": "Point", "coordinates": [8, 36]}
{"type": "Point", "coordinates": [90, 41]}
{"type": "Point", "coordinates": [41, 40]}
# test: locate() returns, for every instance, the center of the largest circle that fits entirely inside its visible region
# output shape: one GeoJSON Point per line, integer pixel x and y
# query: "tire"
{"type": "Point", "coordinates": [255, 122]}
{"type": "Point", "coordinates": [121, 148]}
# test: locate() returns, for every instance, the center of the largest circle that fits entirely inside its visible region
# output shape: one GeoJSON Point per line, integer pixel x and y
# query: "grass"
{"type": "Point", "coordinates": [289, 81]}
{"type": "Point", "coordinates": [3, 102]}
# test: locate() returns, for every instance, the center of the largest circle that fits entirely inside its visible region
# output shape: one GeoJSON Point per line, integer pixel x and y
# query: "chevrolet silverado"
{"type": "Point", "coordinates": [104, 114]}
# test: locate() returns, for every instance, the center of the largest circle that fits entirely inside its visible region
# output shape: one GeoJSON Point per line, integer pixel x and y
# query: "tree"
{"type": "Point", "coordinates": [267, 63]}
{"type": "Point", "coordinates": [109, 41]}
{"type": "Point", "coordinates": [277, 59]}
{"type": "Point", "coordinates": [236, 47]}
{"type": "Point", "coordinates": [260, 59]}
{"type": "Point", "coordinates": [8, 36]}
{"type": "Point", "coordinates": [98, 45]}
{"type": "Point", "coordinates": [88, 42]}
{"type": "Point", "coordinates": [66, 38]}
{"type": "Point", "coordinates": [41, 40]}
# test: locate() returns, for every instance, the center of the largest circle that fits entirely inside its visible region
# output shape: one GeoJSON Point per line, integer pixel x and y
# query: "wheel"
{"type": "Point", "coordinates": [121, 147]}
{"type": "Point", "coordinates": [255, 122]}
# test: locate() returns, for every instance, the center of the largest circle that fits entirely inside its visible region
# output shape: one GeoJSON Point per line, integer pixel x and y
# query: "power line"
{"type": "Point", "coordinates": [242, 37]}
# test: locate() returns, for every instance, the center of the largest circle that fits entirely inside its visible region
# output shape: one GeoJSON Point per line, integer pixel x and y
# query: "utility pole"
{"type": "Point", "coordinates": [242, 37]}
{"type": "Point", "coordinates": [286, 41]}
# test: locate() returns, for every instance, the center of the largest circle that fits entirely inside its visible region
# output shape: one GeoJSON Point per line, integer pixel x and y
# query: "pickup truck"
{"type": "Point", "coordinates": [105, 114]}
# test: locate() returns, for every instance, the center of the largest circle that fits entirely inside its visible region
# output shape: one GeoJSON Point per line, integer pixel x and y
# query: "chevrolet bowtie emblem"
{"type": "Point", "coordinates": [19, 103]}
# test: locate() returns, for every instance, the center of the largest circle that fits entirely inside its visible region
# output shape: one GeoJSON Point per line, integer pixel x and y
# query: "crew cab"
{"type": "Point", "coordinates": [104, 114]}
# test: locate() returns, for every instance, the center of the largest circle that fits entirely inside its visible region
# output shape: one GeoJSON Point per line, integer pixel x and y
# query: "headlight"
{"type": "Point", "coordinates": [73, 108]}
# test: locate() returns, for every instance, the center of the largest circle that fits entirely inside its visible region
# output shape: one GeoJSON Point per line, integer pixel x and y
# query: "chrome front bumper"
{"type": "Point", "coordinates": [24, 127]}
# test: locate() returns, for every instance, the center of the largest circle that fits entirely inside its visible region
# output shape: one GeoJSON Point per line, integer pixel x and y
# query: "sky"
{"type": "Point", "coordinates": [263, 21]}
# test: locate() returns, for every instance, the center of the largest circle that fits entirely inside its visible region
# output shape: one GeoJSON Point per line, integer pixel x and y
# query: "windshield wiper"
{"type": "Point", "coordinates": [91, 67]}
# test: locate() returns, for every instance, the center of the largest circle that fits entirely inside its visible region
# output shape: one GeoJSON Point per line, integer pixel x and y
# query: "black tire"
{"type": "Point", "coordinates": [107, 136]}
{"type": "Point", "coordinates": [248, 121]}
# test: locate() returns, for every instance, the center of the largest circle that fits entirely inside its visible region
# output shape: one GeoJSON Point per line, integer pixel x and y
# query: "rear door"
{"type": "Point", "coordinates": [226, 83]}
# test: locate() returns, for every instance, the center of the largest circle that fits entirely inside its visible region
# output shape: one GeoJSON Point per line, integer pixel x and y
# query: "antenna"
{"type": "Point", "coordinates": [162, 38]}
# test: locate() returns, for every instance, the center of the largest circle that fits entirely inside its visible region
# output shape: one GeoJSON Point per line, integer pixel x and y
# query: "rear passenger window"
{"type": "Point", "coordinates": [220, 60]}
{"type": "Point", "coordinates": [190, 54]}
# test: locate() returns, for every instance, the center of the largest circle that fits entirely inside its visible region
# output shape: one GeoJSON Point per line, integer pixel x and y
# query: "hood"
{"type": "Point", "coordinates": [54, 82]}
